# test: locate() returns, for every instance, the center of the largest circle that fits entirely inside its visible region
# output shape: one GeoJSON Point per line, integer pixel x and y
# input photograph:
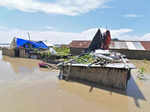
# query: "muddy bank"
{"type": "Point", "coordinates": [24, 87]}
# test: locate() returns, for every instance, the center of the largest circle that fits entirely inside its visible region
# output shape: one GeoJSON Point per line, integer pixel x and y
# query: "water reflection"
{"type": "Point", "coordinates": [134, 91]}
{"type": "Point", "coordinates": [17, 69]}
{"type": "Point", "coordinates": [24, 66]}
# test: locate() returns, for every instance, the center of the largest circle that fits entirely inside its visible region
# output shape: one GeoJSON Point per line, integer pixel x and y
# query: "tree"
{"type": "Point", "coordinates": [115, 39]}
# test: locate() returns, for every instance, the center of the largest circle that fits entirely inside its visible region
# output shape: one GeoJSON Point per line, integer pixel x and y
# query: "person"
{"type": "Point", "coordinates": [106, 40]}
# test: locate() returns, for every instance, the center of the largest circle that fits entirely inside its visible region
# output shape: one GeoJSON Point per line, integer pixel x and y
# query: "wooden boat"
{"type": "Point", "coordinates": [43, 65]}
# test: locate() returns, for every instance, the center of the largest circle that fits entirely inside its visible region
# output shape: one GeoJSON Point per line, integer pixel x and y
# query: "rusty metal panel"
{"type": "Point", "coordinates": [80, 44]}
{"type": "Point", "coordinates": [146, 45]}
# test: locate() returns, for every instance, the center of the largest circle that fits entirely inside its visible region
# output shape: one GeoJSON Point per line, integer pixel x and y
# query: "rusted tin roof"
{"type": "Point", "coordinates": [130, 45]}
{"type": "Point", "coordinates": [80, 44]}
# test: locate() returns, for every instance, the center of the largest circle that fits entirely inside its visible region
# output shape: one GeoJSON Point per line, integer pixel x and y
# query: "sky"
{"type": "Point", "coordinates": [61, 21]}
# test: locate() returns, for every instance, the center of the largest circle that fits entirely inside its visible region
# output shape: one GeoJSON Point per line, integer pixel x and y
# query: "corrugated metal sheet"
{"type": "Point", "coordinates": [138, 46]}
{"type": "Point", "coordinates": [131, 46]}
{"type": "Point", "coordinates": [80, 44]}
{"type": "Point", "coordinates": [120, 45]}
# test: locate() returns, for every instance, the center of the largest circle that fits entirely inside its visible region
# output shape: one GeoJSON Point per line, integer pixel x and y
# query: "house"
{"type": "Point", "coordinates": [23, 48]}
{"type": "Point", "coordinates": [132, 49]}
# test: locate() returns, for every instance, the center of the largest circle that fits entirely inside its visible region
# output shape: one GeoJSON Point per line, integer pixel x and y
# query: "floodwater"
{"type": "Point", "coordinates": [24, 87]}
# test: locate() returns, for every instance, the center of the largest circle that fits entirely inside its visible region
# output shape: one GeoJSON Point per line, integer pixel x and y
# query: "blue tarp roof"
{"type": "Point", "coordinates": [24, 43]}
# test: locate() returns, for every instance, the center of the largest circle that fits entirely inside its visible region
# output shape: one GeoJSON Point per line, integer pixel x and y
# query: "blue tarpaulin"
{"type": "Point", "coordinates": [27, 43]}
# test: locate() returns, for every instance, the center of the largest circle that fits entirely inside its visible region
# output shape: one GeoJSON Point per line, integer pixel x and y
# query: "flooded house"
{"type": "Point", "coordinates": [132, 49]}
{"type": "Point", "coordinates": [24, 48]}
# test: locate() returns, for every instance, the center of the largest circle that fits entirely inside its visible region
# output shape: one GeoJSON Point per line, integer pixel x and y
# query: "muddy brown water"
{"type": "Point", "coordinates": [24, 87]}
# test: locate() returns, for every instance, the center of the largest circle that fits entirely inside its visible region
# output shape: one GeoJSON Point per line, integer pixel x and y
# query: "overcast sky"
{"type": "Point", "coordinates": [61, 21]}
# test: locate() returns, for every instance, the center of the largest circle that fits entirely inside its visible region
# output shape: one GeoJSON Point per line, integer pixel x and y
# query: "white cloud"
{"type": "Point", "coordinates": [65, 7]}
{"type": "Point", "coordinates": [66, 37]}
{"type": "Point", "coordinates": [132, 16]}
{"type": "Point", "coordinates": [53, 36]}
{"type": "Point", "coordinates": [146, 37]}
{"type": "Point", "coordinates": [115, 33]}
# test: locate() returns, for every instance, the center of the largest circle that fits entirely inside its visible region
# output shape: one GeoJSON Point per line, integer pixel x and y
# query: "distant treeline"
{"type": "Point", "coordinates": [115, 39]}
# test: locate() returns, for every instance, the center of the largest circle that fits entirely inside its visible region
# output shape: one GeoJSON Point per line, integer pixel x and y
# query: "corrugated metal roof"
{"type": "Point", "coordinates": [131, 45]}
{"type": "Point", "coordinates": [138, 46]}
{"type": "Point", "coordinates": [118, 45]}
{"type": "Point", "coordinates": [80, 44]}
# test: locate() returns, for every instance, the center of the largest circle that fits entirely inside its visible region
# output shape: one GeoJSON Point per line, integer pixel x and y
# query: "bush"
{"type": "Point", "coordinates": [45, 54]}
{"type": "Point", "coordinates": [62, 51]}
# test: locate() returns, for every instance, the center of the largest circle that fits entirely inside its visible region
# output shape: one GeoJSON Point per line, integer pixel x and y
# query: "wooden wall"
{"type": "Point", "coordinates": [76, 51]}
{"type": "Point", "coordinates": [8, 52]}
{"type": "Point", "coordinates": [109, 77]}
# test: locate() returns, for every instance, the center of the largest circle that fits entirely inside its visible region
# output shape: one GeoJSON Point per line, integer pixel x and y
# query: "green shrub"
{"type": "Point", "coordinates": [62, 51]}
{"type": "Point", "coordinates": [45, 54]}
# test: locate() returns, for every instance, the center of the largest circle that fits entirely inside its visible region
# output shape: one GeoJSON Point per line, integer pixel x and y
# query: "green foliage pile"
{"type": "Point", "coordinates": [86, 59]}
